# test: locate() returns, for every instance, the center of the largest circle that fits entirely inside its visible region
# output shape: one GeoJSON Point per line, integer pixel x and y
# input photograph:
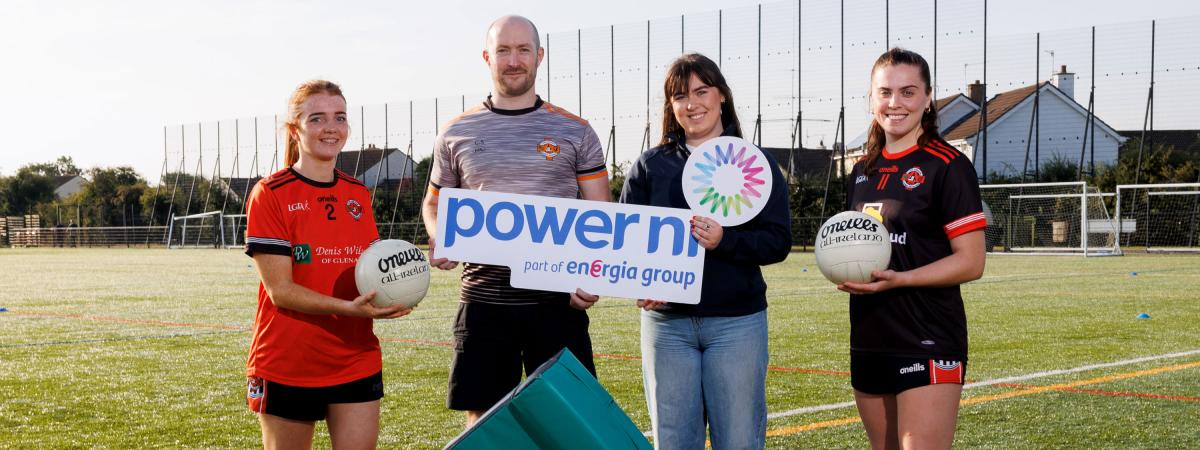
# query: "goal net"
{"type": "Point", "coordinates": [212, 229]}
{"type": "Point", "coordinates": [1159, 217]}
{"type": "Point", "coordinates": [1049, 218]}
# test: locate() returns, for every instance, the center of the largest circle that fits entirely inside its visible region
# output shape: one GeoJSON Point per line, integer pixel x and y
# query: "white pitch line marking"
{"type": "Point", "coordinates": [833, 406]}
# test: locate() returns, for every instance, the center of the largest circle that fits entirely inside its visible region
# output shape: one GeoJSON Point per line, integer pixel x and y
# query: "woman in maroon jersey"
{"type": "Point", "coordinates": [908, 327]}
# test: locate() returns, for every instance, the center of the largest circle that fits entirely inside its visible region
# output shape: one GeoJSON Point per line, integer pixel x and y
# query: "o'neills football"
{"type": "Point", "coordinates": [850, 245]}
{"type": "Point", "coordinates": [396, 270]}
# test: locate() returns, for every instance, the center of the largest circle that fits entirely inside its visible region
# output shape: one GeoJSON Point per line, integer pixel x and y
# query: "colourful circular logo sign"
{"type": "Point", "coordinates": [728, 179]}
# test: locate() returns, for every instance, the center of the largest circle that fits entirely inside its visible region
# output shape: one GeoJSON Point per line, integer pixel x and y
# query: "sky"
{"type": "Point", "coordinates": [98, 80]}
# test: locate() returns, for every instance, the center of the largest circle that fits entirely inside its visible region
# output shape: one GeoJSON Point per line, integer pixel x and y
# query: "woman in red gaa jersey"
{"type": "Point", "coordinates": [314, 355]}
{"type": "Point", "coordinates": [908, 328]}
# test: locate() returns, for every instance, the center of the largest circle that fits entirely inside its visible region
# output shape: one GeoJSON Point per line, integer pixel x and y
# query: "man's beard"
{"type": "Point", "coordinates": [518, 89]}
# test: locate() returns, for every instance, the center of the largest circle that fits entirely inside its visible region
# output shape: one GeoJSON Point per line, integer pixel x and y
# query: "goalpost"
{"type": "Point", "coordinates": [1159, 217]}
{"type": "Point", "coordinates": [1066, 218]}
{"type": "Point", "coordinates": [212, 229]}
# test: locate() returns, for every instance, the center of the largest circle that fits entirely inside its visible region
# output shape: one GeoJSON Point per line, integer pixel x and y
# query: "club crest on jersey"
{"type": "Point", "coordinates": [548, 148]}
{"type": "Point", "coordinates": [860, 179]}
{"type": "Point", "coordinates": [912, 178]}
{"type": "Point", "coordinates": [354, 208]}
{"type": "Point", "coordinates": [254, 388]}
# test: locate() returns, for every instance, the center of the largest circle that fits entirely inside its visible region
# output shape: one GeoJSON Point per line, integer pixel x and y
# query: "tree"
{"type": "Point", "coordinates": [1059, 169]}
{"type": "Point", "coordinates": [21, 193]}
{"type": "Point", "coordinates": [111, 198]}
{"type": "Point", "coordinates": [616, 179]}
{"type": "Point", "coordinates": [178, 194]}
{"type": "Point", "coordinates": [398, 205]}
{"type": "Point", "coordinates": [62, 166]}
{"type": "Point", "coordinates": [809, 197]}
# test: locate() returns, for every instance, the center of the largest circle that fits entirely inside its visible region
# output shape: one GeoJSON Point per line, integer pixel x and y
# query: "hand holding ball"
{"type": "Point", "coordinates": [851, 245]}
{"type": "Point", "coordinates": [396, 270]}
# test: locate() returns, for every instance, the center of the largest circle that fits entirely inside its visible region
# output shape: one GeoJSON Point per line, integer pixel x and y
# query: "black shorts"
{"type": "Point", "coordinates": [885, 374]}
{"type": "Point", "coordinates": [308, 403]}
{"type": "Point", "coordinates": [493, 342]}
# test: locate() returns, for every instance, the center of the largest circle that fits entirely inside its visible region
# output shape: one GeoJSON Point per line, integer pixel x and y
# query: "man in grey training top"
{"type": "Point", "coordinates": [513, 142]}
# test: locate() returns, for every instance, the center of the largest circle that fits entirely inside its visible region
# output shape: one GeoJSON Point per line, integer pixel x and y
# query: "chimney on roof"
{"type": "Point", "coordinates": [1065, 81]}
{"type": "Point", "coordinates": [975, 92]}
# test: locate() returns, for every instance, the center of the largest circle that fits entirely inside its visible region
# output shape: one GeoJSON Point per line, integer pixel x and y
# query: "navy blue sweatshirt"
{"type": "Point", "coordinates": [733, 283]}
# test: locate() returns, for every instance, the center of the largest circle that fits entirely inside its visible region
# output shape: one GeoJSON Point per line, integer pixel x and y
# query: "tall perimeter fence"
{"type": "Point", "coordinates": [800, 74]}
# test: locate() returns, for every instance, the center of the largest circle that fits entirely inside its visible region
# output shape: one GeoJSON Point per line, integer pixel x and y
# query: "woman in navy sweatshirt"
{"type": "Point", "coordinates": [704, 366]}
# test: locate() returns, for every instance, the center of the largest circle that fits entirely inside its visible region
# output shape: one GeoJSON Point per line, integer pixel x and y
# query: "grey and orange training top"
{"type": "Point", "coordinates": [542, 150]}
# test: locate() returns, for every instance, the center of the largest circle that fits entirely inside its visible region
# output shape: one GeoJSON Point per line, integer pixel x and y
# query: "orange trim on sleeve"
{"type": "Point", "coordinates": [562, 112]}
{"type": "Point", "coordinates": [593, 176]}
{"type": "Point", "coordinates": [433, 191]}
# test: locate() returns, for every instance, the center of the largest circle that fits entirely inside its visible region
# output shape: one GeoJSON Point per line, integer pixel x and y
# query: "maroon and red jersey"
{"type": "Point", "coordinates": [926, 196]}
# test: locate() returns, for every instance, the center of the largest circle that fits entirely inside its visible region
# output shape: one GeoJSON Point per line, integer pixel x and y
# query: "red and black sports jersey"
{"type": "Point", "coordinates": [323, 228]}
{"type": "Point", "coordinates": [925, 197]}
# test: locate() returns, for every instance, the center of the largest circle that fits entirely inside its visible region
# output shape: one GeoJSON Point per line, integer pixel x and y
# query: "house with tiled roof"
{"type": "Point", "coordinates": [388, 168]}
{"type": "Point", "coordinates": [66, 185]}
{"type": "Point", "coordinates": [1059, 130]}
{"type": "Point", "coordinates": [383, 167]}
{"type": "Point", "coordinates": [951, 111]}
{"type": "Point", "coordinates": [1186, 142]}
{"type": "Point", "coordinates": [801, 162]}
{"type": "Point", "coordinates": [1011, 130]}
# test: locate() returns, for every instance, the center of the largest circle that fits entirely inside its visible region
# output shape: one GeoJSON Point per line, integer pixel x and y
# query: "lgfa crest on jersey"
{"type": "Point", "coordinates": [912, 178]}
{"type": "Point", "coordinates": [548, 148]}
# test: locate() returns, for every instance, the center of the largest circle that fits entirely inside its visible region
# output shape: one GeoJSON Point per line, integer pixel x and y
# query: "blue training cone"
{"type": "Point", "coordinates": [1133, 273]}
{"type": "Point", "coordinates": [3, 309]}
{"type": "Point", "coordinates": [804, 269]}
{"type": "Point", "coordinates": [1143, 316]}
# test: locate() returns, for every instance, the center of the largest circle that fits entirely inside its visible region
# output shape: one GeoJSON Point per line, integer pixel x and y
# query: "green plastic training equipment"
{"type": "Point", "coordinates": [559, 406]}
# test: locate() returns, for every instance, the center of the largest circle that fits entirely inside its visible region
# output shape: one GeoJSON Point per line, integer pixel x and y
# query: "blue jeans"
{"type": "Point", "coordinates": [701, 371]}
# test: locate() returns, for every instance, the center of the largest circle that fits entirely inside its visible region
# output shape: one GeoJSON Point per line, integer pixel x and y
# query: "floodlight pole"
{"type": "Point", "coordinates": [841, 128]}
{"type": "Point", "coordinates": [983, 108]}
{"type": "Point", "coordinates": [362, 138]}
{"type": "Point", "coordinates": [275, 157]}
{"type": "Point", "coordinates": [579, 66]}
{"type": "Point", "coordinates": [646, 132]}
{"type": "Point", "coordinates": [1033, 116]}
{"type": "Point", "coordinates": [612, 93]}
{"type": "Point", "coordinates": [758, 118]}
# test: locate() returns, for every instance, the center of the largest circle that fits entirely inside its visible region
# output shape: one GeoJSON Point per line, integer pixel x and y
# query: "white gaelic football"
{"type": "Point", "coordinates": [396, 270]}
{"type": "Point", "coordinates": [850, 245]}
